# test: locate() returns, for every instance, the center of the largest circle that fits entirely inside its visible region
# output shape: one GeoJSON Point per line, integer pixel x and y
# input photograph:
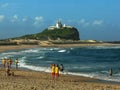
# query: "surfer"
{"type": "Point", "coordinates": [111, 72]}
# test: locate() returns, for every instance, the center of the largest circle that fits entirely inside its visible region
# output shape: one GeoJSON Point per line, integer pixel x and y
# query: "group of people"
{"type": "Point", "coordinates": [7, 64]}
{"type": "Point", "coordinates": [55, 70]}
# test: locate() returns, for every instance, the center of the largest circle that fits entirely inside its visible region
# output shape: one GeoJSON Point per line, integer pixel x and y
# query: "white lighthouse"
{"type": "Point", "coordinates": [59, 24]}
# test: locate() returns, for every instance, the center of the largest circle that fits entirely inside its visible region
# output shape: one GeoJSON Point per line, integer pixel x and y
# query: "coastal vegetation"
{"type": "Point", "coordinates": [57, 33]}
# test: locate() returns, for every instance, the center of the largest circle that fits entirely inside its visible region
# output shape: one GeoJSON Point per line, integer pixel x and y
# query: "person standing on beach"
{"type": "Point", "coordinates": [16, 63]}
{"type": "Point", "coordinates": [4, 62]}
{"type": "Point", "coordinates": [61, 67]}
{"type": "Point", "coordinates": [10, 62]}
{"type": "Point", "coordinates": [56, 71]}
{"type": "Point", "coordinates": [53, 70]}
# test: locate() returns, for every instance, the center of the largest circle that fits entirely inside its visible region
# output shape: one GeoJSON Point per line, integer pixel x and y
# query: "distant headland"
{"type": "Point", "coordinates": [57, 32]}
{"type": "Point", "coordinates": [56, 35]}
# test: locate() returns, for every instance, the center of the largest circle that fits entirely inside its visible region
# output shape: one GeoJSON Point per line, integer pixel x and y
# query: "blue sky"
{"type": "Point", "coordinates": [95, 19]}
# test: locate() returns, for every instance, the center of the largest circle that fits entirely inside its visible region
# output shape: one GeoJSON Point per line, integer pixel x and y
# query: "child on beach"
{"type": "Point", "coordinates": [8, 71]}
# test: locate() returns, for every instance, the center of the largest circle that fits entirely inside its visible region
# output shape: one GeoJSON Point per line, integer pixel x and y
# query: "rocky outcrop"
{"type": "Point", "coordinates": [62, 33]}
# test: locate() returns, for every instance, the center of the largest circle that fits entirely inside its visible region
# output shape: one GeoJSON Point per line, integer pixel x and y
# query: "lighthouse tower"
{"type": "Point", "coordinates": [59, 24]}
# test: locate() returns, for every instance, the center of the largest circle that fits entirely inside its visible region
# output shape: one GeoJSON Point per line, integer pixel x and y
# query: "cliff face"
{"type": "Point", "coordinates": [62, 33]}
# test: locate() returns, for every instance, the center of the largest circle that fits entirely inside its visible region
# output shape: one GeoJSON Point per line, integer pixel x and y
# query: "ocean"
{"type": "Point", "coordinates": [91, 61]}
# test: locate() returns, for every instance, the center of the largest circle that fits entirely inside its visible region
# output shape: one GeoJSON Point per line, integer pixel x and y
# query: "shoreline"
{"type": "Point", "coordinates": [4, 48]}
{"type": "Point", "coordinates": [35, 80]}
{"type": "Point", "coordinates": [89, 79]}
{"type": "Point", "coordinates": [79, 45]}
{"type": "Point", "coordinates": [32, 80]}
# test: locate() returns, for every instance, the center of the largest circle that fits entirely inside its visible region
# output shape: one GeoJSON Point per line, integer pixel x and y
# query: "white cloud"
{"type": "Point", "coordinates": [87, 24]}
{"type": "Point", "coordinates": [82, 21]}
{"type": "Point", "coordinates": [2, 17]}
{"type": "Point", "coordinates": [38, 21]}
{"type": "Point", "coordinates": [4, 5]}
{"type": "Point", "coordinates": [14, 18]}
{"type": "Point", "coordinates": [24, 19]}
{"type": "Point", "coordinates": [39, 18]}
{"type": "Point", "coordinates": [92, 23]}
{"type": "Point", "coordinates": [97, 22]}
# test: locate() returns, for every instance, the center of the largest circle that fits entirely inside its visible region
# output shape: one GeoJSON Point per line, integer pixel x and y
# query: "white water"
{"type": "Point", "coordinates": [41, 53]}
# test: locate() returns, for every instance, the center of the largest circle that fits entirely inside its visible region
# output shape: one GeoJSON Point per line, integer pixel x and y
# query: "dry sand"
{"type": "Point", "coordinates": [16, 47]}
{"type": "Point", "coordinates": [32, 80]}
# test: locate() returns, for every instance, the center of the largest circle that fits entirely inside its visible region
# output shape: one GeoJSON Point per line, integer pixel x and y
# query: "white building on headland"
{"type": "Point", "coordinates": [58, 26]}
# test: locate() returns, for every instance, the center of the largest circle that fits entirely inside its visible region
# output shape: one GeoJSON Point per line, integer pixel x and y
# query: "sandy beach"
{"type": "Point", "coordinates": [44, 44]}
{"type": "Point", "coordinates": [16, 47]}
{"type": "Point", "coordinates": [33, 80]}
